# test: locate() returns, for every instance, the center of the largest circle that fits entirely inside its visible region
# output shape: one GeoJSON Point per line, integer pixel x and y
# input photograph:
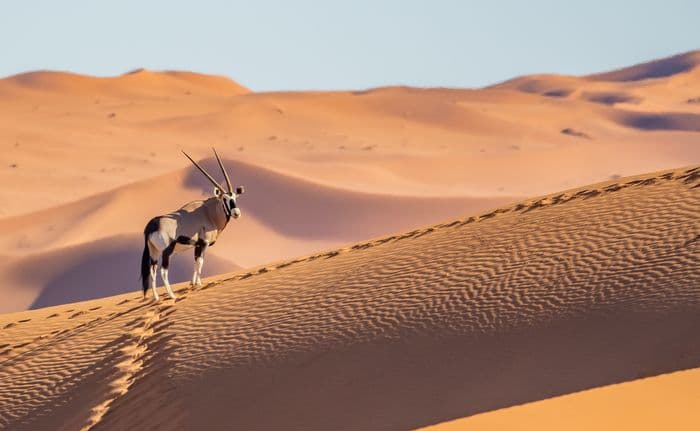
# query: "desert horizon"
{"type": "Point", "coordinates": [516, 255]}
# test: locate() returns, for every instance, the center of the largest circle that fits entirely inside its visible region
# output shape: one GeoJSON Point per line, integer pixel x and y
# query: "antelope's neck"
{"type": "Point", "coordinates": [215, 210]}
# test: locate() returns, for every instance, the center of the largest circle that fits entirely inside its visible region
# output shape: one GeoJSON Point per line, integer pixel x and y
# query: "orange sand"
{"type": "Point", "coordinates": [554, 295]}
{"type": "Point", "coordinates": [670, 401]}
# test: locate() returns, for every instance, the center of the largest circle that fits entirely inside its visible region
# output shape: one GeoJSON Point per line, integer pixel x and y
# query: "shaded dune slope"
{"type": "Point", "coordinates": [660, 68]}
{"type": "Point", "coordinates": [658, 121]}
{"type": "Point", "coordinates": [303, 209]}
{"type": "Point", "coordinates": [284, 204]}
{"type": "Point", "coordinates": [283, 217]}
{"type": "Point", "coordinates": [652, 95]}
{"type": "Point", "coordinates": [97, 269]}
{"type": "Point", "coordinates": [566, 292]}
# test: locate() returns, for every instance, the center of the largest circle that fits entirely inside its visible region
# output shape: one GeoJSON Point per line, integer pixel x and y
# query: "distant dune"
{"type": "Point", "coordinates": [84, 159]}
{"type": "Point", "coordinates": [73, 136]}
{"type": "Point", "coordinates": [133, 83]}
{"type": "Point", "coordinates": [662, 68]}
{"type": "Point", "coordinates": [567, 292]}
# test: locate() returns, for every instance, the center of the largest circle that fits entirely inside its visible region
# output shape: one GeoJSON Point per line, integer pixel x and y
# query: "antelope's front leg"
{"type": "Point", "coordinates": [199, 250]}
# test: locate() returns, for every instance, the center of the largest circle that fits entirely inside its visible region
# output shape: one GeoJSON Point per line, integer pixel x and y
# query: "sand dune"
{"type": "Point", "coordinates": [138, 82]}
{"type": "Point", "coordinates": [99, 238]}
{"type": "Point", "coordinates": [554, 295]}
{"type": "Point", "coordinates": [83, 159]}
{"type": "Point", "coordinates": [670, 401]}
{"type": "Point", "coordinates": [503, 140]}
{"type": "Point", "coordinates": [651, 86]}
{"type": "Point", "coordinates": [664, 67]}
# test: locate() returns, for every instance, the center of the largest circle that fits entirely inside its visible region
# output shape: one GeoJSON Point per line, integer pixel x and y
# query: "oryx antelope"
{"type": "Point", "coordinates": [197, 224]}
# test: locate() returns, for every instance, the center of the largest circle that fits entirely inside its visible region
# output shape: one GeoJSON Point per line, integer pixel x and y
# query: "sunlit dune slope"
{"type": "Point", "coordinates": [670, 401]}
{"type": "Point", "coordinates": [571, 291]}
{"type": "Point", "coordinates": [138, 82]}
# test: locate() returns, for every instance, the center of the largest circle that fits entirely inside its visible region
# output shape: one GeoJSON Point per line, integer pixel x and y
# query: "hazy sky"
{"type": "Point", "coordinates": [303, 44]}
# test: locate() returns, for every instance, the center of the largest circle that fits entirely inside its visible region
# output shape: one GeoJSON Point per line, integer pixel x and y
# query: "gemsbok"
{"type": "Point", "coordinates": [197, 224]}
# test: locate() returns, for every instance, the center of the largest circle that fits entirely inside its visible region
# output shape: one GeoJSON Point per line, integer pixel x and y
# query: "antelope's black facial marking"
{"type": "Point", "coordinates": [227, 207]}
{"type": "Point", "coordinates": [231, 202]}
{"type": "Point", "coordinates": [230, 207]}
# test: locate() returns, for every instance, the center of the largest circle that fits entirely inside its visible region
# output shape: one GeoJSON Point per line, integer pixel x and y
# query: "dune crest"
{"type": "Point", "coordinates": [661, 68]}
{"type": "Point", "coordinates": [139, 81]}
{"type": "Point", "coordinates": [553, 295]}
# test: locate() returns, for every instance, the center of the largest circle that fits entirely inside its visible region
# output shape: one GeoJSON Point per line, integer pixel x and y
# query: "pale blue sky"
{"type": "Point", "coordinates": [303, 44]}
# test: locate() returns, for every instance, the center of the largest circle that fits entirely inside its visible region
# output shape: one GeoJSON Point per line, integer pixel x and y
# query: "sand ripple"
{"type": "Point", "coordinates": [553, 295]}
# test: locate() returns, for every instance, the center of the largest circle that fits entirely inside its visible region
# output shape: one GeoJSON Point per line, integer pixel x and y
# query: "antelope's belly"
{"type": "Point", "coordinates": [181, 247]}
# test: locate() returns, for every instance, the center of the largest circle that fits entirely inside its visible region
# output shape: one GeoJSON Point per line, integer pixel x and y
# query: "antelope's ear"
{"type": "Point", "coordinates": [240, 190]}
{"type": "Point", "coordinates": [217, 192]}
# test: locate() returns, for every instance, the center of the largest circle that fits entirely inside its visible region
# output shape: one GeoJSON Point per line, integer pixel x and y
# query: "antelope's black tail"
{"type": "Point", "coordinates": [151, 227]}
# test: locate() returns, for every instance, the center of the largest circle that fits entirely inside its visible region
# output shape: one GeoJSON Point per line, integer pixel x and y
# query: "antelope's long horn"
{"type": "Point", "coordinates": [213, 181]}
{"type": "Point", "coordinates": [221, 165]}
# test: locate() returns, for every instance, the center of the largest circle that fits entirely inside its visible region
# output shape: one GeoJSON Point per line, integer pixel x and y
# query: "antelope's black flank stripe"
{"type": "Point", "coordinates": [185, 240]}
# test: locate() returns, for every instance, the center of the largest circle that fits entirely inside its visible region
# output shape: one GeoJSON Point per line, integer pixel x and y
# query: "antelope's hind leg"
{"type": "Point", "coordinates": [199, 250]}
{"type": "Point", "coordinates": [156, 246]}
{"type": "Point", "coordinates": [165, 263]}
{"type": "Point", "coordinates": [154, 269]}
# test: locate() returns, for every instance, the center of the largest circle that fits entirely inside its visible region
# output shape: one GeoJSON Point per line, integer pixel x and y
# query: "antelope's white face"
{"type": "Point", "coordinates": [228, 200]}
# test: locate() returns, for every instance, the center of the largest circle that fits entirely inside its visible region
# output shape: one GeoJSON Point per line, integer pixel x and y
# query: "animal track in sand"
{"type": "Point", "coordinates": [135, 354]}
